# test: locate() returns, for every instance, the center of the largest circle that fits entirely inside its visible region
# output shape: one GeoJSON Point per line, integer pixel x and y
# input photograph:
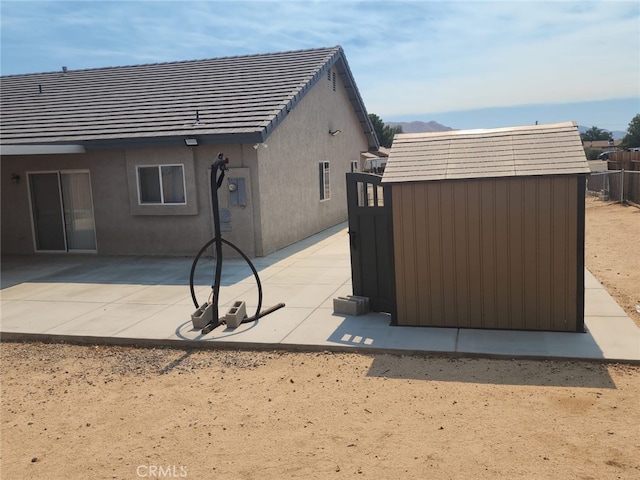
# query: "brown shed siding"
{"type": "Point", "coordinates": [489, 253]}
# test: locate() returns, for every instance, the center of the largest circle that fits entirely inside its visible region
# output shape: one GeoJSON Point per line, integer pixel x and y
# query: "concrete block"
{"type": "Point", "coordinates": [363, 301]}
{"type": "Point", "coordinates": [236, 314]}
{"type": "Point", "coordinates": [351, 305]}
{"type": "Point", "coordinates": [344, 305]}
{"type": "Point", "coordinates": [202, 316]}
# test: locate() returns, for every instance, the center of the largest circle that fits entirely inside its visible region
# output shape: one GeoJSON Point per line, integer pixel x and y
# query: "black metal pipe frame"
{"type": "Point", "coordinates": [216, 180]}
{"type": "Point", "coordinates": [217, 176]}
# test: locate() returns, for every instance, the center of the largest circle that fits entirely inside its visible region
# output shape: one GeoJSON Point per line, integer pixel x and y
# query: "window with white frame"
{"type": "Point", "coordinates": [161, 185]}
{"type": "Point", "coordinates": [325, 188]}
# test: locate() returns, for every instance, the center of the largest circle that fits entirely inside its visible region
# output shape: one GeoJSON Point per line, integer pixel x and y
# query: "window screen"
{"type": "Point", "coordinates": [324, 177]}
{"type": "Point", "coordinates": [161, 184]}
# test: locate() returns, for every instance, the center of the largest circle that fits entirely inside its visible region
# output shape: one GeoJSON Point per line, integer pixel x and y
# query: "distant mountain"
{"type": "Point", "coordinates": [617, 134]}
{"type": "Point", "coordinates": [420, 127]}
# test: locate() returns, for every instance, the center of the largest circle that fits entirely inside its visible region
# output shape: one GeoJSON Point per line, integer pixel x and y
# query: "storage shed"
{"type": "Point", "coordinates": [489, 228]}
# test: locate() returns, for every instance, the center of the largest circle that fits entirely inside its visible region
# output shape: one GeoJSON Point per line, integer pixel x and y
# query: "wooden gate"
{"type": "Point", "coordinates": [371, 241]}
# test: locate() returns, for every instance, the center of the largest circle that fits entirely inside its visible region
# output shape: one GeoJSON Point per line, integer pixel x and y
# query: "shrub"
{"type": "Point", "coordinates": [592, 153]}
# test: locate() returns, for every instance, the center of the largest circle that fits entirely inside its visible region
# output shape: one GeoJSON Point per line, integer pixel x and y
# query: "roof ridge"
{"type": "Point", "coordinates": [239, 98]}
{"type": "Point", "coordinates": [182, 62]}
{"type": "Point", "coordinates": [488, 131]}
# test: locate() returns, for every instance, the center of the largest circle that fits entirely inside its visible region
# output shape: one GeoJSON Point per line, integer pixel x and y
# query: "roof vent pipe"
{"type": "Point", "coordinates": [39, 88]}
{"type": "Point", "coordinates": [64, 70]}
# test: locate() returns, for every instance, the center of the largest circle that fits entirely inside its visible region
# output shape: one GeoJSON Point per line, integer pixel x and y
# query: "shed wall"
{"type": "Point", "coordinates": [490, 253]}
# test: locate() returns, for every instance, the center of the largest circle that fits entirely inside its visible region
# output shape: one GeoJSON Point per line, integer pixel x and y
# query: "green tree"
{"type": "Point", "coordinates": [632, 138]}
{"type": "Point", "coordinates": [384, 132]}
{"type": "Point", "coordinates": [595, 133]}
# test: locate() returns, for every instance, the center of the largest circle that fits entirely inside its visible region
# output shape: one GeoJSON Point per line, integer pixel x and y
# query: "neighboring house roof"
{"type": "Point", "coordinates": [552, 149]}
{"type": "Point", "coordinates": [222, 100]}
{"type": "Point", "coordinates": [601, 143]}
{"type": "Point", "coordinates": [382, 152]}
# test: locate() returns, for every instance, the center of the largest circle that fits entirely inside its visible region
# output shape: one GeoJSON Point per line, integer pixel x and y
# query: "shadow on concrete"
{"type": "Point", "coordinates": [141, 269]}
{"type": "Point", "coordinates": [373, 331]}
{"type": "Point", "coordinates": [185, 331]}
{"type": "Point", "coordinates": [137, 270]}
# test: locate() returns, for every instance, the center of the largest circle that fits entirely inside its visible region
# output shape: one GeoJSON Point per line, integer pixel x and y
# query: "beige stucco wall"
{"type": "Point", "coordinates": [290, 206]}
{"type": "Point", "coordinates": [122, 226]}
{"type": "Point", "coordinates": [15, 233]}
{"type": "Point", "coordinates": [242, 164]}
{"type": "Point", "coordinates": [282, 186]}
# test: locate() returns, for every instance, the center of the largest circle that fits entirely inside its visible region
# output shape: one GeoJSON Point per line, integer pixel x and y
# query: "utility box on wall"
{"type": "Point", "coordinates": [489, 228]}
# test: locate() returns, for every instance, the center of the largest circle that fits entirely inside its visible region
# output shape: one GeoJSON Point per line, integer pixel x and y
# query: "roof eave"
{"type": "Point", "coordinates": [392, 181]}
{"type": "Point", "coordinates": [339, 60]}
{"type": "Point", "coordinates": [356, 99]}
{"type": "Point", "coordinates": [134, 142]}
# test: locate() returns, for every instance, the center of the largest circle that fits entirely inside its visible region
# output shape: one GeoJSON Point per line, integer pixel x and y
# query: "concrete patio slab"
{"type": "Point", "coordinates": [160, 325]}
{"type": "Point", "coordinates": [267, 331]}
{"type": "Point", "coordinates": [146, 300]}
{"type": "Point", "coordinates": [616, 337]}
{"type": "Point", "coordinates": [599, 303]}
{"type": "Point", "coordinates": [105, 321]}
{"type": "Point", "coordinates": [34, 317]}
{"type": "Point", "coordinates": [528, 344]}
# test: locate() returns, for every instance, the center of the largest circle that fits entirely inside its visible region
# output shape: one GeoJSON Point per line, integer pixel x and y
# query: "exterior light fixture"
{"type": "Point", "coordinates": [191, 142]}
{"type": "Point", "coordinates": [15, 178]}
{"type": "Point", "coordinates": [335, 133]}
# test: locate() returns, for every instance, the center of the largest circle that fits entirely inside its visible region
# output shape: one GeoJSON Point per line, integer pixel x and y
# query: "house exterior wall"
{"type": "Point", "coordinates": [122, 226]}
{"type": "Point", "coordinates": [290, 205]}
{"type": "Point", "coordinates": [490, 253]}
{"type": "Point", "coordinates": [282, 186]}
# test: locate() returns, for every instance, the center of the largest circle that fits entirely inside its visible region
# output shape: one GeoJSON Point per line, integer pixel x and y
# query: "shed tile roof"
{"type": "Point", "coordinates": [552, 149]}
{"type": "Point", "coordinates": [232, 99]}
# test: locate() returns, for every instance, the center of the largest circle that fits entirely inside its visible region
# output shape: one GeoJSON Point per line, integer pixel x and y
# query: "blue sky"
{"type": "Point", "coordinates": [474, 64]}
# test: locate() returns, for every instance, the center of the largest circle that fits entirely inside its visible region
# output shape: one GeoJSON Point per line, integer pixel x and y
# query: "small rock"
{"type": "Point", "coordinates": [34, 459]}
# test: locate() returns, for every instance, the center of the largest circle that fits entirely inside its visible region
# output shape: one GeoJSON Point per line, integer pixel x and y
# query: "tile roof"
{"type": "Point", "coordinates": [601, 143]}
{"type": "Point", "coordinates": [552, 149]}
{"type": "Point", "coordinates": [231, 99]}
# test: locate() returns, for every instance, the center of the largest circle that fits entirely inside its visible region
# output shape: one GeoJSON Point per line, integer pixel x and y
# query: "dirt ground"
{"type": "Point", "coordinates": [96, 412]}
{"type": "Point", "coordinates": [612, 251]}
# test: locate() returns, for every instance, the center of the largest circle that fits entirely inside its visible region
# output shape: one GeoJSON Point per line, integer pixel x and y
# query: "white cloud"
{"type": "Point", "coordinates": [407, 57]}
{"type": "Point", "coordinates": [519, 53]}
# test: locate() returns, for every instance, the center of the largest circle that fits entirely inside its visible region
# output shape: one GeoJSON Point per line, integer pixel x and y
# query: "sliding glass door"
{"type": "Point", "coordinates": [62, 211]}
